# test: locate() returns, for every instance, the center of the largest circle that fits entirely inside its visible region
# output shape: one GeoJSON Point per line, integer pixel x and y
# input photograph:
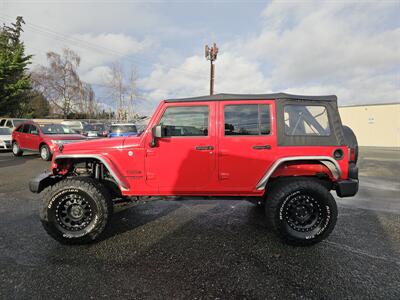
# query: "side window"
{"type": "Point", "coordinates": [9, 124]}
{"type": "Point", "coordinates": [2, 122]}
{"type": "Point", "coordinates": [26, 128]}
{"type": "Point", "coordinates": [247, 119]}
{"type": "Point", "coordinates": [185, 121]}
{"type": "Point", "coordinates": [33, 130]}
{"type": "Point", "coordinates": [306, 120]}
{"type": "Point", "coordinates": [19, 128]}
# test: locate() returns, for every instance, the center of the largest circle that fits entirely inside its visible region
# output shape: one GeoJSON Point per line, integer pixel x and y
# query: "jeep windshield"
{"type": "Point", "coordinates": [56, 129]}
{"type": "Point", "coordinates": [141, 125]}
{"type": "Point", "coordinates": [123, 128]}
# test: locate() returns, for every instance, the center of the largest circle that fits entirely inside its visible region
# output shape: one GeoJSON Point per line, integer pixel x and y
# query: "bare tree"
{"type": "Point", "coordinates": [123, 90]}
{"type": "Point", "coordinates": [61, 85]}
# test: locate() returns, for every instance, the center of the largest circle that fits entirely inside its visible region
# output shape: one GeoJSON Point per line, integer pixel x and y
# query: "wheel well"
{"type": "Point", "coordinates": [41, 144]}
{"type": "Point", "coordinates": [325, 181]}
{"type": "Point", "coordinates": [89, 168]}
{"type": "Point", "coordinates": [309, 166]}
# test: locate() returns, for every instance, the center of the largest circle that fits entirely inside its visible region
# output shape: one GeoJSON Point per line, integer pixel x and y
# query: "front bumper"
{"type": "Point", "coordinates": [40, 182]}
{"type": "Point", "coordinates": [5, 145]}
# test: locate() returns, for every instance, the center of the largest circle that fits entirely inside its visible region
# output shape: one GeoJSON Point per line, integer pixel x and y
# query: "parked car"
{"type": "Point", "coordinates": [11, 122]}
{"type": "Point", "coordinates": [5, 138]}
{"type": "Point", "coordinates": [42, 138]}
{"type": "Point", "coordinates": [95, 130]}
{"type": "Point", "coordinates": [75, 125]}
{"type": "Point", "coordinates": [284, 152]}
{"type": "Point", "coordinates": [124, 129]}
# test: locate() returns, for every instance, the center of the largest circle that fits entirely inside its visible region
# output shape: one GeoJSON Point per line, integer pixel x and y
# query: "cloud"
{"type": "Point", "coordinates": [312, 47]}
{"type": "Point", "coordinates": [347, 49]}
{"type": "Point", "coordinates": [105, 48]}
{"type": "Point", "coordinates": [332, 47]}
{"type": "Point", "coordinates": [97, 75]}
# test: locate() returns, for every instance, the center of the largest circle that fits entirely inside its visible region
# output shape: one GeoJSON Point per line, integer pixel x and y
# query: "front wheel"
{"type": "Point", "coordinates": [16, 150]}
{"type": "Point", "coordinates": [76, 211]}
{"type": "Point", "coordinates": [301, 211]}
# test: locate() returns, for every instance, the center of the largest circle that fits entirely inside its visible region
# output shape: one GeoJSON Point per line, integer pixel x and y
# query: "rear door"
{"type": "Point", "coordinates": [247, 143]}
{"type": "Point", "coordinates": [183, 161]}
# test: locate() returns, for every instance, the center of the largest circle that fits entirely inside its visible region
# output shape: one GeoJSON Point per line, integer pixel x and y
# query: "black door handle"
{"type": "Point", "coordinates": [262, 147]}
{"type": "Point", "coordinates": [204, 148]}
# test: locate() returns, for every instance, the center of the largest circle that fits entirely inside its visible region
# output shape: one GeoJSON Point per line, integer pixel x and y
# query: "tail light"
{"type": "Point", "coordinates": [352, 154]}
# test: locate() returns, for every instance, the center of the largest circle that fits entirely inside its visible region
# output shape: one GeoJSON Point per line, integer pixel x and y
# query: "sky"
{"type": "Point", "coordinates": [350, 49]}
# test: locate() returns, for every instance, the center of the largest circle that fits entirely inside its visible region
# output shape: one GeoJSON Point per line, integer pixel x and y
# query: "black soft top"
{"type": "Point", "coordinates": [274, 96]}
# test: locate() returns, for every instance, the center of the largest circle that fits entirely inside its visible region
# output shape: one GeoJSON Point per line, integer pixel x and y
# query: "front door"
{"type": "Point", "coordinates": [33, 138]}
{"type": "Point", "coordinates": [184, 161]}
{"type": "Point", "coordinates": [23, 138]}
{"type": "Point", "coordinates": [247, 143]}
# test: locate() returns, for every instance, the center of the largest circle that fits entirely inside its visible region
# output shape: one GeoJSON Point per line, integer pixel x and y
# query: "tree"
{"type": "Point", "coordinates": [123, 90]}
{"type": "Point", "coordinates": [37, 105]}
{"type": "Point", "coordinates": [60, 84]}
{"type": "Point", "coordinates": [14, 79]}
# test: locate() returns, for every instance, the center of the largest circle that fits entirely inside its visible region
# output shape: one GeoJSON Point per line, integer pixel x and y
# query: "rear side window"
{"type": "Point", "coordinates": [33, 130]}
{"type": "Point", "coordinates": [185, 121]}
{"type": "Point", "coordinates": [311, 120]}
{"type": "Point", "coordinates": [2, 122]}
{"type": "Point", "coordinates": [247, 119]}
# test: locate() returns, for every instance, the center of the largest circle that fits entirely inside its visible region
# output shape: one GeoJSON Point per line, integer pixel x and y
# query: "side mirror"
{"type": "Point", "coordinates": [157, 132]}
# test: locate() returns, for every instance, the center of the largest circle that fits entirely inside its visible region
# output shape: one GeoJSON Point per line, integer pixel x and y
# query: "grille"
{"type": "Point", "coordinates": [71, 141]}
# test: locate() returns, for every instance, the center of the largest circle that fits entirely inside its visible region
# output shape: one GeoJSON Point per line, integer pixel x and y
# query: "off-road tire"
{"type": "Point", "coordinates": [288, 197]}
{"type": "Point", "coordinates": [16, 150]}
{"type": "Point", "coordinates": [45, 152]}
{"type": "Point", "coordinates": [54, 216]}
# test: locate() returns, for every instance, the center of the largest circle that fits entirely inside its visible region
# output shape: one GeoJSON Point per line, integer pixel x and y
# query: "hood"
{"type": "Point", "coordinates": [97, 145]}
{"type": "Point", "coordinates": [6, 137]}
{"type": "Point", "coordinates": [65, 137]}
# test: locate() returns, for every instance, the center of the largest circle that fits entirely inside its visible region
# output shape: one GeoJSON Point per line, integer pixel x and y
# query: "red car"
{"type": "Point", "coordinates": [42, 138]}
{"type": "Point", "coordinates": [283, 152]}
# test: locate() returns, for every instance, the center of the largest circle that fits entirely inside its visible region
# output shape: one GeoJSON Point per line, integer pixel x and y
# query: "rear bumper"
{"type": "Point", "coordinates": [40, 182]}
{"type": "Point", "coordinates": [347, 188]}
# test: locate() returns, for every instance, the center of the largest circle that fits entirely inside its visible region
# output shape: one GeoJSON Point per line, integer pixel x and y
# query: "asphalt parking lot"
{"type": "Point", "coordinates": [188, 249]}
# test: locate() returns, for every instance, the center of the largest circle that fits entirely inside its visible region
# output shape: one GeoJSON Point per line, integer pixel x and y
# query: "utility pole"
{"type": "Point", "coordinates": [211, 55]}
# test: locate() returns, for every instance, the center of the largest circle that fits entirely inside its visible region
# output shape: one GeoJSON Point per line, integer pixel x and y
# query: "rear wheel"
{"type": "Point", "coordinates": [76, 211]}
{"type": "Point", "coordinates": [45, 153]}
{"type": "Point", "coordinates": [301, 211]}
{"type": "Point", "coordinates": [16, 150]}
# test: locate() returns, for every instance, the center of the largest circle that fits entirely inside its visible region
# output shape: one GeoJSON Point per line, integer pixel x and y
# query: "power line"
{"type": "Point", "coordinates": [63, 38]}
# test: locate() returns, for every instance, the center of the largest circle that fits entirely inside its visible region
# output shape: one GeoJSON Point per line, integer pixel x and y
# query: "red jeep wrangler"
{"type": "Point", "coordinates": [284, 152]}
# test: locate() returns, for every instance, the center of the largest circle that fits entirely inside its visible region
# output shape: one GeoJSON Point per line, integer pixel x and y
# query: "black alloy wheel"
{"type": "Point", "coordinates": [301, 211]}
